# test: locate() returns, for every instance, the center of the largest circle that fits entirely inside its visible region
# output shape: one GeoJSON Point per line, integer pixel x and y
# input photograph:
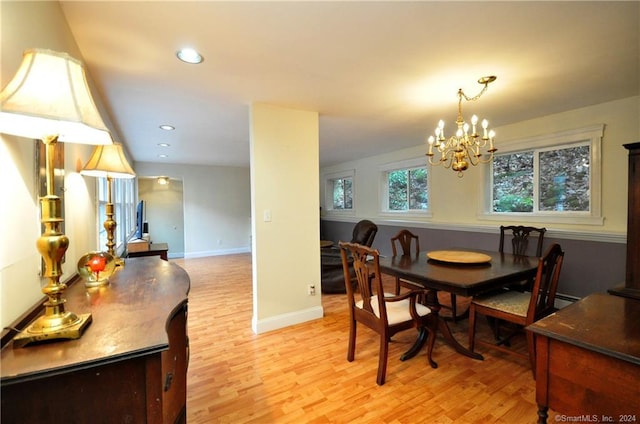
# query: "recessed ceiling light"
{"type": "Point", "coordinates": [189, 55]}
{"type": "Point", "coordinates": [164, 144]}
{"type": "Point", "coordinates": [163, 156]}
{"type": "Point", "coordinates": [167, 127]}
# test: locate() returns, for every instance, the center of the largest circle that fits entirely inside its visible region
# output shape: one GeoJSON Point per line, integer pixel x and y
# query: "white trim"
{"type": "Point", "coordinates": [327, 198]}
{"type": "Point", "coordinates": [220, 252]}
{"type": "Point", "coordinates": [286, 320]}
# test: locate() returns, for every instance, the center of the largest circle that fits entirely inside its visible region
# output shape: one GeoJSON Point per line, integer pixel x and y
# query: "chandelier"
{"type": "Point", "coordinates": [463, 148]}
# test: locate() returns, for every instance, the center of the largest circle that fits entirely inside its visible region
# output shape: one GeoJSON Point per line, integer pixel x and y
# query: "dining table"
{"type": "Point", "coordinates": [462, 271]}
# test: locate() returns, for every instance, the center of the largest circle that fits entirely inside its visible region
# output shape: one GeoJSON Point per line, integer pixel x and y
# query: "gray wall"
{"type": "Point", "coordinates": [589, 266]}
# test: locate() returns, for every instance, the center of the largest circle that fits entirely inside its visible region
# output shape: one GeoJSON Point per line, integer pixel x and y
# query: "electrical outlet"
{"type": "Point", "coordinates": [312, 290]}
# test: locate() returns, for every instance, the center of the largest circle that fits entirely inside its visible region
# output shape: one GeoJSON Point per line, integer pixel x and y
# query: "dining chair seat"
{"type": "Point", "coordinates": [397, 312]}
{"type": "Point", "coordinates": [511, 302]}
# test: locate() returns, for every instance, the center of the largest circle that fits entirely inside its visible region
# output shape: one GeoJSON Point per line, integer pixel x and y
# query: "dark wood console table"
{"type": "Point", "coordinates": [155, 249]}
{"type": "Point", "coordinates": [130, 365]}
{"type": "Point", "coordinates": [588, 360]}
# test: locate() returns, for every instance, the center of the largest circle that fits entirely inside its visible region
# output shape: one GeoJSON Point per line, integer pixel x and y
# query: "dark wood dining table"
{"type": "Point", "coordinates": [463, 279]}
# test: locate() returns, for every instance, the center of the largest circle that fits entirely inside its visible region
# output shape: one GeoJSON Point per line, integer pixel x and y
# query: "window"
{"type": "Point", "coordinates": [339, 191]}
{"type": "Point", "coordinates": [563, 182]}
{"type": "Point", "coordinates": [122, 196]}
{"type": "Point", "coordinates": [342, 193]}
{"type": "Point", "coordinates": [557, 177]}
{"type": "Point", "coordinates": [405, 187]}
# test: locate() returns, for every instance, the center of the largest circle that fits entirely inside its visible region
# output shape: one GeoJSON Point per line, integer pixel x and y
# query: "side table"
{"type": "Point", "coordinates": [155, 249]}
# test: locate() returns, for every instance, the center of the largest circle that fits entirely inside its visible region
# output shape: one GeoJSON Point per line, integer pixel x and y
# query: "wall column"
{"type": "Point", "coordinates": [285, 216]}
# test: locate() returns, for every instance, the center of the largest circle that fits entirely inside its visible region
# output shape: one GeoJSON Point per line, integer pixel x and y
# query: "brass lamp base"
{"type": "Point", "coordinates": [53, 327]}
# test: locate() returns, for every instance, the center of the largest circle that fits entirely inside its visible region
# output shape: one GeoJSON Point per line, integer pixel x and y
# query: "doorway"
{"type": "Point", "coordinates": [164, 212]}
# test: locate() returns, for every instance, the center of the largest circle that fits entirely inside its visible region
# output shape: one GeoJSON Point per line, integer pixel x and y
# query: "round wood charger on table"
{"type": "Point", "coordinates": [458, 256]}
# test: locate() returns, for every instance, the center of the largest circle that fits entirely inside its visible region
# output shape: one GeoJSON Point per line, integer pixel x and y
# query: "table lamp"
{"type": "Point", "coordinates": [49, 99]}
{"type": "Point", "coordinates": [108, 161]}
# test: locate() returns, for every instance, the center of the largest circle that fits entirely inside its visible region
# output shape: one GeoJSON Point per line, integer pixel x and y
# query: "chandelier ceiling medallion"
{"type": "Point", "coordinates": [463, 148]}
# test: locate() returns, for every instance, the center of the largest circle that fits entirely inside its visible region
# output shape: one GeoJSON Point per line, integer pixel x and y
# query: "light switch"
{"type": "Point", "coordinates": [267, 215]}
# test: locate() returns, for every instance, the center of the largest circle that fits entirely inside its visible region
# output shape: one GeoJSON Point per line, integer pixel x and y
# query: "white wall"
{"type": "Point", "coordinates": [456, 201]}
{"type": "Point", "coordinates": [217, 206]}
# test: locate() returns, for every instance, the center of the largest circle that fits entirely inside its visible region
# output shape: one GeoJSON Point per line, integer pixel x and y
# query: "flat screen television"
{"type": "Point", "coordinates": [139, 219]}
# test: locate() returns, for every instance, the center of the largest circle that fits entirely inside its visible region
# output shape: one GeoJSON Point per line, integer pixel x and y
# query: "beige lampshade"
{"type": "Point", "coordinates": [108, 161]}
{"type": "Point", "coordinates": [49, 96]}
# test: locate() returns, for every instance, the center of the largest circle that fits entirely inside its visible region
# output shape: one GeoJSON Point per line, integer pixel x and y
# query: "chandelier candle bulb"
{"type": "Point", "coordinates": [474, 121]}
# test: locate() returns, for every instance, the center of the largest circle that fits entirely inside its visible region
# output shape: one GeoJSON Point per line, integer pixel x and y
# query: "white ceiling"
{"type": "Point", "coordinates": [380, 74]}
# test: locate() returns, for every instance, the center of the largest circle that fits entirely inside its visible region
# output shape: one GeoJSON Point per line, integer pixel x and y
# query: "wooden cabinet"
{"type": "Point", "coordinates": [631, 287]}
{"type": "Point", "coordinates": [130, 365]}
{"type": "Point", "coordinates": [588, 360]}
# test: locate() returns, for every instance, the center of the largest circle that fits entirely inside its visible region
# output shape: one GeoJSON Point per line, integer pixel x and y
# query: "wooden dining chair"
{"type": "Point", "coordinates": [520, 308]}
{"type": "Point", "coordinates": [384, 313]}
{"type": "Point", "coordinates": [405, 239]}
{"type": "Point", "coordinates": [520, 236]}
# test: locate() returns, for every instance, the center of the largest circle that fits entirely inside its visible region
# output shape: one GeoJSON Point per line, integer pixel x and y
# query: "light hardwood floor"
{"type": "Point", "coordinates": [300, 374]}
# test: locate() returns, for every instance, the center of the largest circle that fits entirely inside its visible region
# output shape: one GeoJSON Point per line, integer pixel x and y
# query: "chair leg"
{"type": "Point", "coordinates": [472, 327]}
{"type": "Point", "coordinates": [351, 351]}
{"type": "Point", "coordinates": [397, 286]}
{"type": "Point", "coordinates": [431, 342]}
{"type": "Point", "coordinates": [382, 359]}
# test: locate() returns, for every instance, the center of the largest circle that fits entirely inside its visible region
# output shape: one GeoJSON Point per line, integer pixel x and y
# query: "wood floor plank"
{"type": "Point", "coordinates": [300, 374]}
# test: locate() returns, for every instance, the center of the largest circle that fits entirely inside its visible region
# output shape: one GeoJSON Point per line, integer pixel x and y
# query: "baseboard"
{"type": "Point", "coordinates": [286, 320]}
{"type": "Point", "coordinates": [205, 253]}
{"type": "Point", "coordinates": [563, 300]}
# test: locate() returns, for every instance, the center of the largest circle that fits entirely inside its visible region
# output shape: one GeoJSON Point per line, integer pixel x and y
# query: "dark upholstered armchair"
{"type": "Point", "coordinates": [331, 272]}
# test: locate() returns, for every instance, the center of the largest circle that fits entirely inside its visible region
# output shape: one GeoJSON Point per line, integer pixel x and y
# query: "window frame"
{"type": "Point", "coordinates": [383, 191]}
{"type": "Point", "coordinates": [592, 136]}
{"type": "Point", "coordinates": [328, 192]}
